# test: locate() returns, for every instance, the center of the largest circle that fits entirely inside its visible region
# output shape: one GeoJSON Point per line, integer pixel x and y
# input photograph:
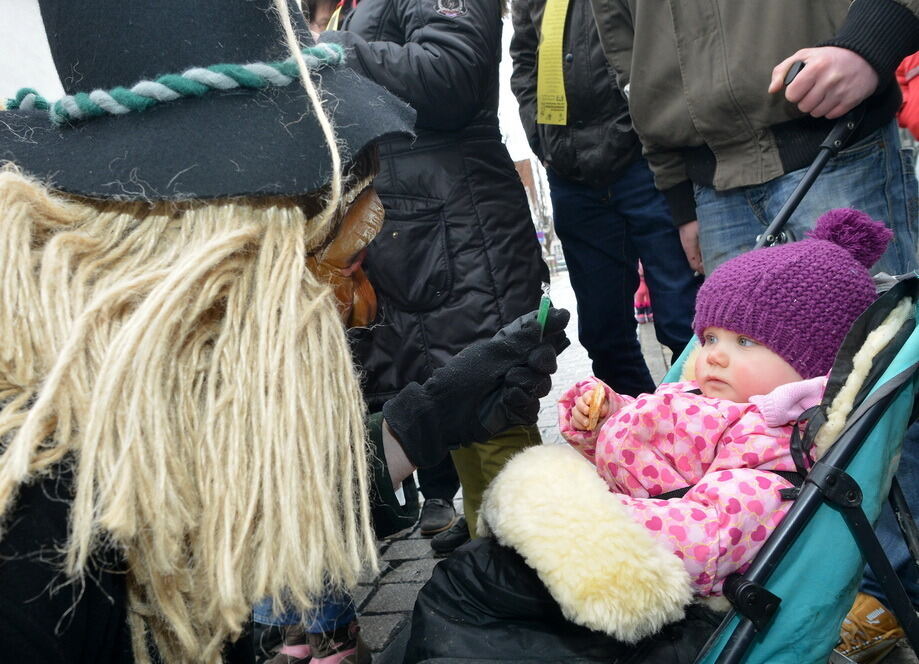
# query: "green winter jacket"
{"type": "Point", "coordinates": [697, 73]}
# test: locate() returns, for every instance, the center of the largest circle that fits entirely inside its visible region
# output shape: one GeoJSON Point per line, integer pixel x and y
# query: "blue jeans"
{"type": "Point", "coordinates": [334, 611]}
{"type": "Point", "coordinates": [604, 232]}
{"type": "Point", "coordinates": [888, 531]}
{"type": "Point", "coordinates": [874, 176]}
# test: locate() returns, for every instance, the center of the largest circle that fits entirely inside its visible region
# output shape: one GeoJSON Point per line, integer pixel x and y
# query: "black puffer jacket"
{"type": "Point", "coordinates": [457, 257]}
{"type": "Point", "coordinates": [598, 142]}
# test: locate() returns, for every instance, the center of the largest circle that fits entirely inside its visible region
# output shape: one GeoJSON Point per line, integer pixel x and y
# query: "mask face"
{"type": "Point", "coordinates": [340, 263]}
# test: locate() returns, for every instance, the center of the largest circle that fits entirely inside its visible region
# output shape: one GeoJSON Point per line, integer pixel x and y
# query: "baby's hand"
{"type": "Point", "coordinates": [589, 408]}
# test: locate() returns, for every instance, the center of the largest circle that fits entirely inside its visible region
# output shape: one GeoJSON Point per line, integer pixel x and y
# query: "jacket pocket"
{"type": "Point", "coordinates": [409, 261]}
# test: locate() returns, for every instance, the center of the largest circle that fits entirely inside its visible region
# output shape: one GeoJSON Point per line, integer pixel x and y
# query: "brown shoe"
{"type": "Point", "coordinates": [869, 631]}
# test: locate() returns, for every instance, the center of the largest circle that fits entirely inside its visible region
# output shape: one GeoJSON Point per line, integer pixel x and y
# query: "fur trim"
{"type": "Point", "coordinates": [842, 405]}
{"type": "Point", "coordinates": [717, 603]}
{"type": "Point", "coordinates": [605, 571]}
{"type": "Point", "coordinates": [689, 366]}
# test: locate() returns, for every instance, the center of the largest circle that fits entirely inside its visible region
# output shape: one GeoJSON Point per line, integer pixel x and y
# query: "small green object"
{"type": "Point", "coordinates": [544, 304]}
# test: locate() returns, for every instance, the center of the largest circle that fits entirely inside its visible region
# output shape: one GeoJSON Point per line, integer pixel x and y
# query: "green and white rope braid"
{"type": "Point", "coordinates": [28, 99]}
{"type": "Point", "coordinates": [193, 82]}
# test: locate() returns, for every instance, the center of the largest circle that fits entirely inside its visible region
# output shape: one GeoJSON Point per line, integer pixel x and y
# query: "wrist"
{"type": "Point", "coordinates": [397, 461]}
{"type": "Point", "coordinates": [883, 32]}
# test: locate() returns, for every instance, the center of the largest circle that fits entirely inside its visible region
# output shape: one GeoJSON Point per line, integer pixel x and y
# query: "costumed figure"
{"type": "Point", "coordinates": [181, 428]}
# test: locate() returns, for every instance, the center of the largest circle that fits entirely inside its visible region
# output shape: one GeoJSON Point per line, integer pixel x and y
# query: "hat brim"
{"type": "Point", "coordinates": [224, 144]}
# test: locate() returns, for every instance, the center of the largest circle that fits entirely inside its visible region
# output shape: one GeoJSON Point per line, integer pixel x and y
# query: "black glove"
{"type": "Point", "coordinates": [483, 390]}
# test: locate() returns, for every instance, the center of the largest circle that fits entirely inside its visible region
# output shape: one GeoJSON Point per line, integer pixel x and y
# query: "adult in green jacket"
{"type": "Point", "coordinates": [727, 147]}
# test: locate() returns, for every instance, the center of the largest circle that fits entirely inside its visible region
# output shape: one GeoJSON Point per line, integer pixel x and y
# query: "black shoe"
{"type": "Point", "coordinates": [437, 515]}
{"type": "Point", "coordinates": [451, 539]}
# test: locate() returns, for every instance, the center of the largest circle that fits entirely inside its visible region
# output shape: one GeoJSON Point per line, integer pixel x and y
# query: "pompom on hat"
{"type": "Point", "coordinates": [798, 299]}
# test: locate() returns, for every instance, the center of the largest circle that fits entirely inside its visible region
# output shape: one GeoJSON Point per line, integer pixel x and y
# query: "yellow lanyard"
{"type": "Point", "coordinates": [551, 103]}
{"type": "Point", "coordinates": [333, 19]}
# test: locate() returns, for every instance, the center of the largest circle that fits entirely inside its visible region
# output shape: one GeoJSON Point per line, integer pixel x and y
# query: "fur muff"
{"type": "Point", "coordinates": [605, 571]}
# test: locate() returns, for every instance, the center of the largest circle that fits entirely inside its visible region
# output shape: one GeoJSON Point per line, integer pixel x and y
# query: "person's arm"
{"type": "Point", "coordinates": [485, 389]}
{"type": "Point", "coordinates": [388, 467]}
{"type": "Point", "coordinates": [614, 23]}
{"type": "Point", "coordinates": [444, 65]}
{"type": "Point", "coordinates": [585, 442]}
{"type": "Point", "coordinates": [718, 526]}
{"type": "Point", "coordinates": [908, 79]}
{"type": "Point", "coordinates": [523, 79]}
{"type": "Point", "coordinates": [843, 71]}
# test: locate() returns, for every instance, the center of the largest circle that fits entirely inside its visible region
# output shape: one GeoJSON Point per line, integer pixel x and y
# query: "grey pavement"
{"type": "Point", "coordinates": [385, 602]}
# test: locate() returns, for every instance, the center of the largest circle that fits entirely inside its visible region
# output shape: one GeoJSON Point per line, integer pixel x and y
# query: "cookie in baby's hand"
{"type": "Point", "coordinates": [597, 396]}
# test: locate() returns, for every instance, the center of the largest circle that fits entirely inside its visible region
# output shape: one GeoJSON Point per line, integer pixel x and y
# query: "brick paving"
{"type": "Point", "coordinates": [385, 602]}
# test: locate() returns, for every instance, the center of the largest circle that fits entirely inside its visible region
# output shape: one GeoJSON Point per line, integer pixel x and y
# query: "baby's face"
{"type": "Point", "coordinates": [735, 367]}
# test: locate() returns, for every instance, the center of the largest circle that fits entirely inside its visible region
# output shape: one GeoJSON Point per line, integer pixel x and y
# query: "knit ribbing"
{"type": "Point", "coordinates": [883, 33]}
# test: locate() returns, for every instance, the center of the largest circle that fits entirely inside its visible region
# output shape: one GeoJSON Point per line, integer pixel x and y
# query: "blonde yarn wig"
{"type": "Point", "coordinates": [195, 374]}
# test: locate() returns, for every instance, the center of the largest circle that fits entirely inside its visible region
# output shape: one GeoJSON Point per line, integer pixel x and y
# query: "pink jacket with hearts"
{"type": "Point", "coordinates": [671, 439]}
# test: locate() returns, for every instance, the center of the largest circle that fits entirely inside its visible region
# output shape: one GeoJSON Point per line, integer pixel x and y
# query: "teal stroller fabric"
{"type": "Point", "coordinates": [818, 576]}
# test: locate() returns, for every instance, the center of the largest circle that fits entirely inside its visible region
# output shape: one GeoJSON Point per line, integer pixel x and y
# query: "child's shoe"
{"type": "Point", "coordinates": [341, 646]}
{"type": "Point", "coordinates": [295, 649]}
{"type": "Point", "coordinates": [869, 631]}
{"type": "Point", "coordinates": [644, 314]}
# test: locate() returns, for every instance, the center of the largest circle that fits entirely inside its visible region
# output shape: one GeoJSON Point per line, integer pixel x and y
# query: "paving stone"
{"type": "Point", "coordinates": [414, 534]}
{"type": "Point", "coordinates": [368, 577]}
{"type": "Point", "coordinates": [412, 571]}
{"type": "Point", "coordinates": [393, 597]}
{"type": "Point", "coordinates": [901, 654]}
{"type": "Point", "coordinates": [409, 549]}
{"type": "Point", "coordinates": [378, 630]}
{"type": "Point", "coordinates": [362, 592]}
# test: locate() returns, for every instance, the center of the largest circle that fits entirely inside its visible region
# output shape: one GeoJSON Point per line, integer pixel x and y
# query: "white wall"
{"type": "Point", "coordinates": [25, 61]}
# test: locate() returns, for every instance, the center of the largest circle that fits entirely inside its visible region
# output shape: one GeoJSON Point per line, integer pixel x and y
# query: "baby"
{"type": "Point", "coordinates": [769, 323]}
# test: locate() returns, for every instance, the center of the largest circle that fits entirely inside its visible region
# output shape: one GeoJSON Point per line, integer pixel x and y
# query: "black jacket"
{"type": "Point", "coordinates": [598, 142]}
{"type": "Point", "coordinates": [484, 604]}
{"type": "Point", "coordinates": [457, 257]}
{"type": "Point", "coordinates": [43, 617]}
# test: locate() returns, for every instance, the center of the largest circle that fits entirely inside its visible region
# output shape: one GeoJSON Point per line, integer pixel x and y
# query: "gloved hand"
{"type": "Point", "coordinates": [483, 390]}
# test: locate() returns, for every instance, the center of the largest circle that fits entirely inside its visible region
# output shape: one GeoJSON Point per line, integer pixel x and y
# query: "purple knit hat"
{"type": "Point", "coordinates": [798, 299]}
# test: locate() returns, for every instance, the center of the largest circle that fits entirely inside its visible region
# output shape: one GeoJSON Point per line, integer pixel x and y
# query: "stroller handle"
{"type": "Point", "coordinates": [835, 141]}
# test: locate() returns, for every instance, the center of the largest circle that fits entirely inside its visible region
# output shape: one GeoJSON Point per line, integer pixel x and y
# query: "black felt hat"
{"type": "Point", "coordinates": [223, 143]}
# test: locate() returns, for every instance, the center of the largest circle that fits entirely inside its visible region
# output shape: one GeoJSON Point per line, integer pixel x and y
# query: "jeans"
{"type": "Point", "coordinates": [604, 232]}
{"type": "Point", "coordinates": [888, 531]}
{"type": "Point", "coordinates": [874, 176]}
{"type": "Point", "coordinates": [439, 481]}
{"type": "Point", "coordinates": [333, 611]}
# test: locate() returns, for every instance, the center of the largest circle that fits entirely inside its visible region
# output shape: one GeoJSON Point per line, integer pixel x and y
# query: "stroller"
{"type": "Point", "coordinates": [788, 605]}
{"type": "Point", "coordinates": [842, 494]}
